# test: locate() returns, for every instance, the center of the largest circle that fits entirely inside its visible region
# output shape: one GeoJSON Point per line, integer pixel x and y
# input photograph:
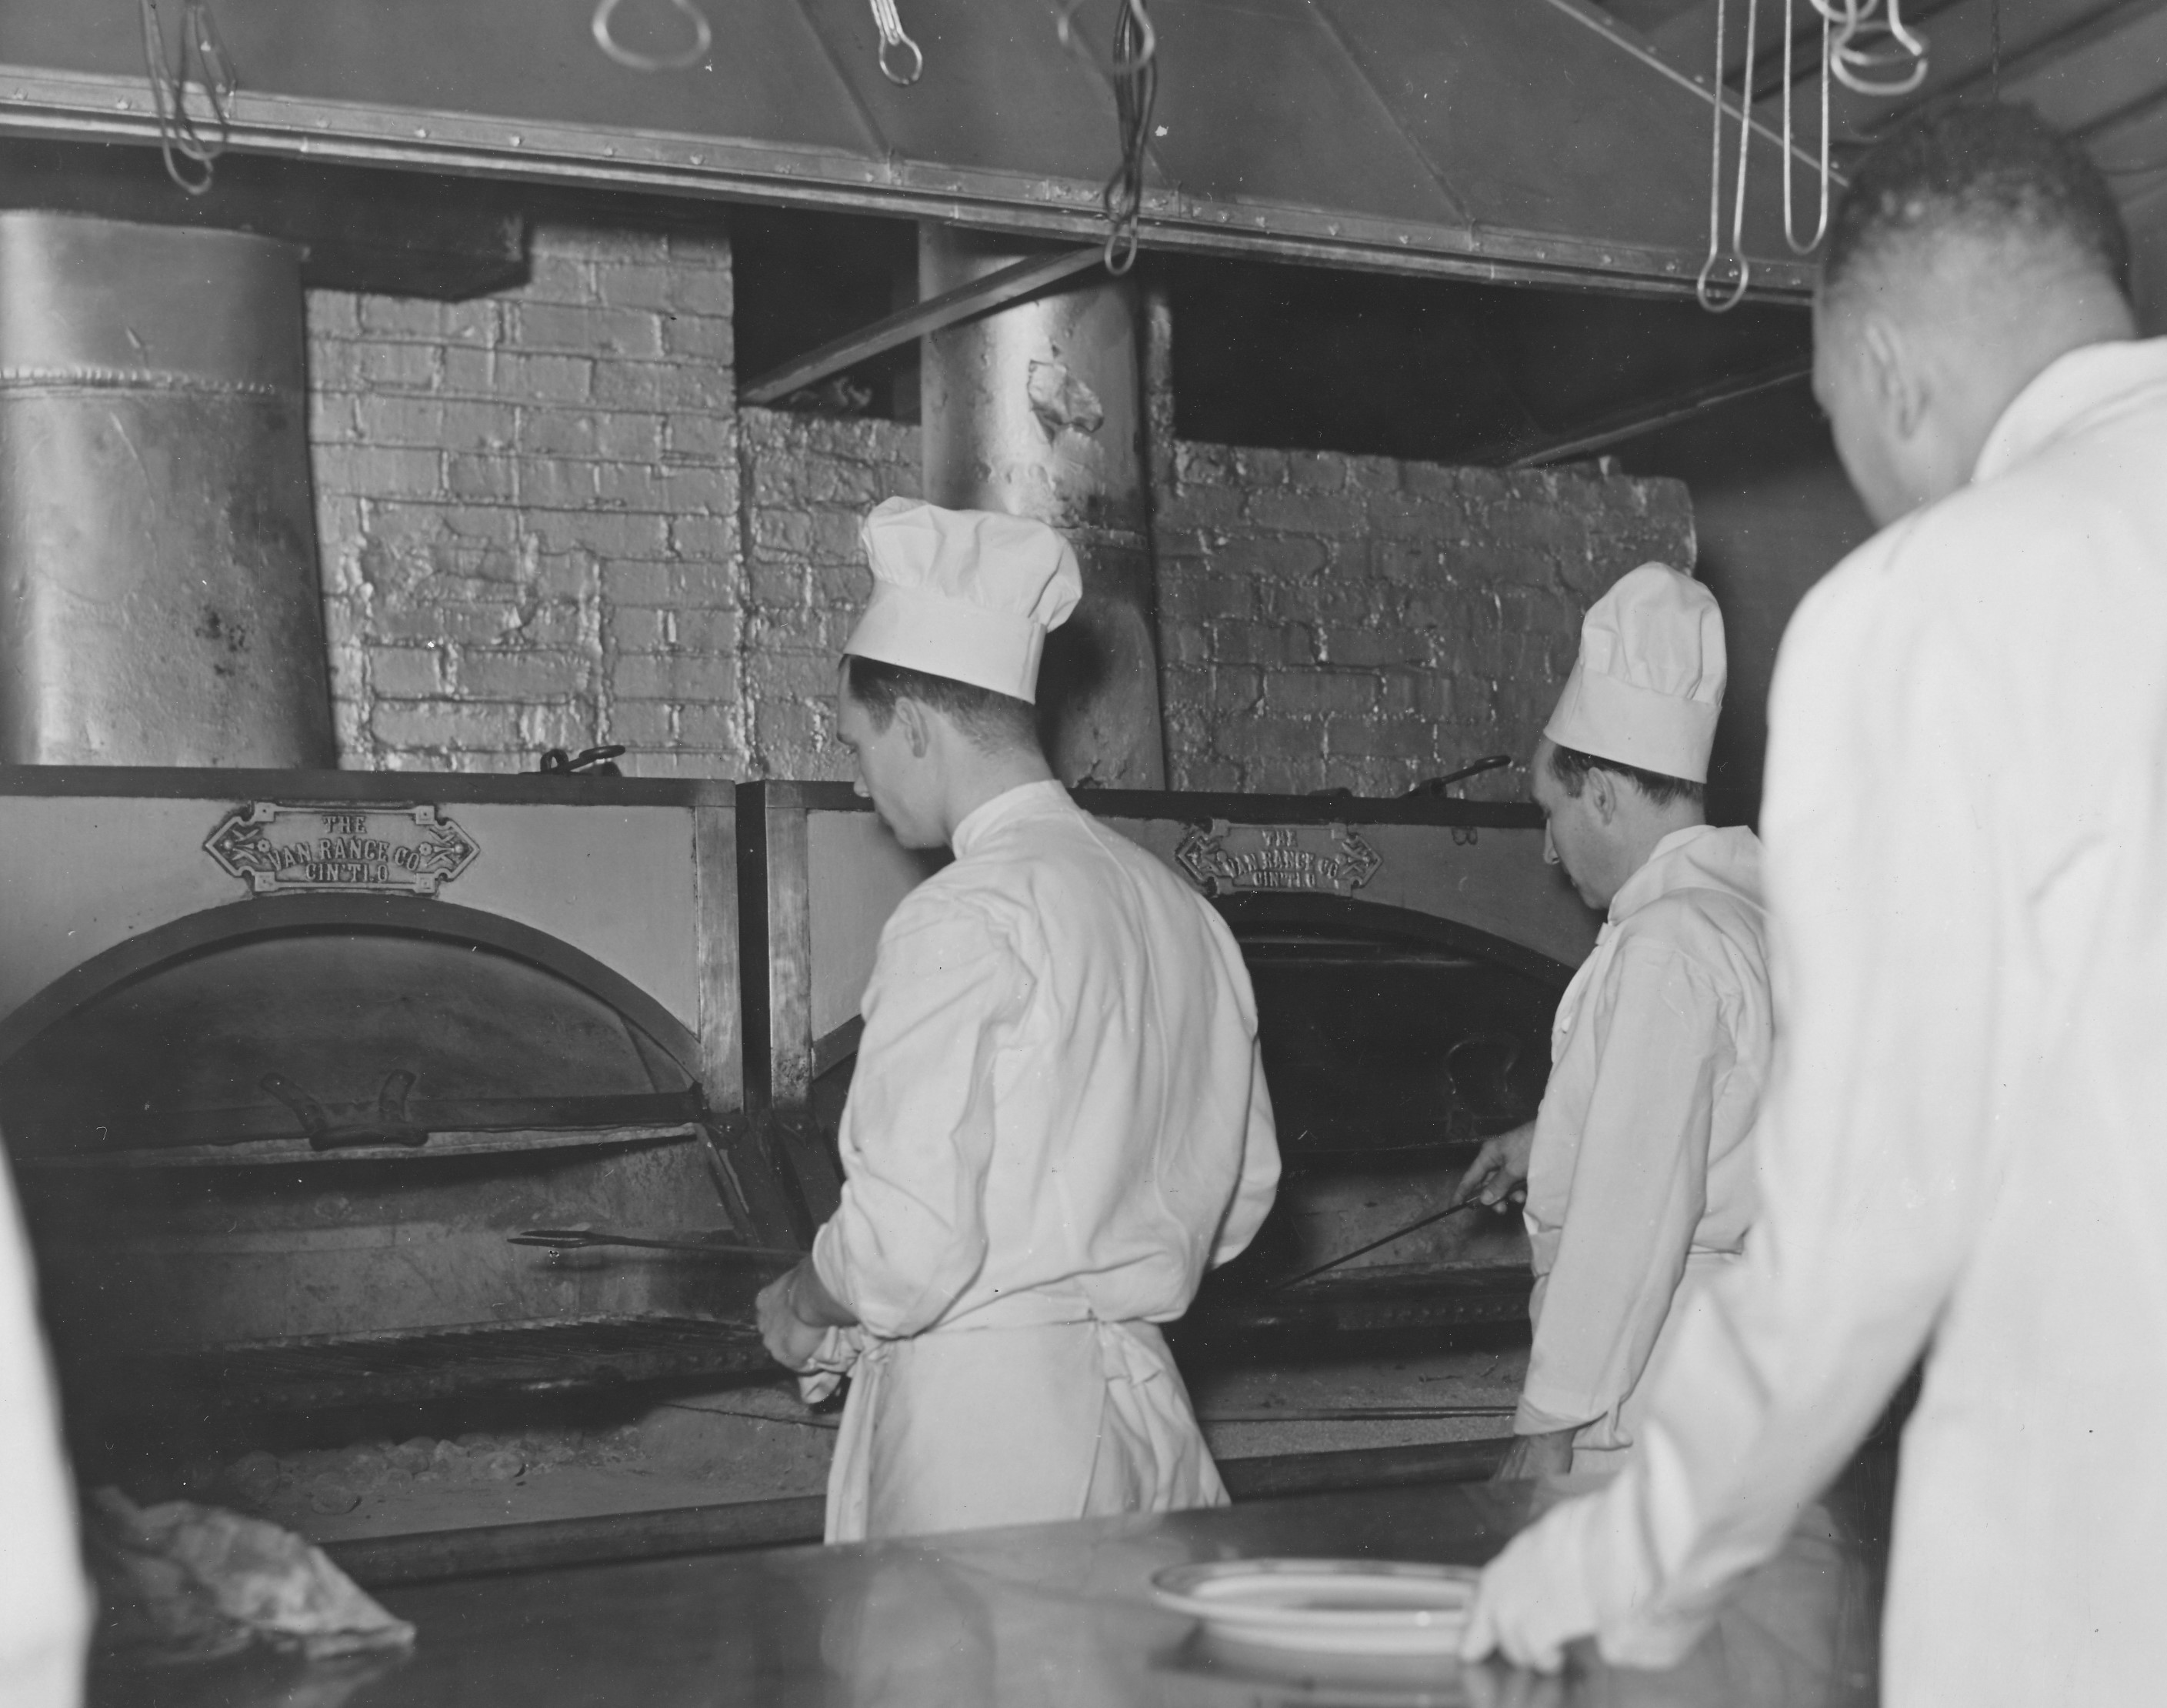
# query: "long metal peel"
{"type": "Point", "coordinates": [586, 1239]}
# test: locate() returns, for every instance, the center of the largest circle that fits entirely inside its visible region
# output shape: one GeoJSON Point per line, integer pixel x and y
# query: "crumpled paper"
{"type": "Point", "coordinates": [181, 1582]}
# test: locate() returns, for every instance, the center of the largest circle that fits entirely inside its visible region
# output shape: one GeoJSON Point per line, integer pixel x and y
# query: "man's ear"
{"type": "Point", "coordinates": [1602, 787]}
{"type": "Point", "coordinates": [1896, 376]}
{"type": "Point", "coordinates": [916, 726]}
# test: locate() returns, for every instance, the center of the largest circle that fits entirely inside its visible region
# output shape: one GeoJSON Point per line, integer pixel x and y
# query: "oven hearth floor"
{"type": "Point", "coordinates": [421, 1368]}
{"type": "Point", "coordinates": [757, 1442]}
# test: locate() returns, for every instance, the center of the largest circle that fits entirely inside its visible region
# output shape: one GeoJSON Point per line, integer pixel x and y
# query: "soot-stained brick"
{"type": "Point", "coordinates": [545, 522]}
{"type": "Point", "coordinates": [510, 489]}
{"type": "Point", "coordinates": [1407, 618]}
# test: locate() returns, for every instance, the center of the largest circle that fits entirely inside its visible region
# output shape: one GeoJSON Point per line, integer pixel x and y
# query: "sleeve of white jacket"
{"type": "Point", "coordinates": [1874, 1148]}
{"type": "Point", "coordinates": [1260, 1171]}
{"type": "Point", "coordinates": [1639, 1184]}
{"type": "Point", "coordinates": [45, 1604]}
{"type": "Point", "coordinates": [908, 1233]}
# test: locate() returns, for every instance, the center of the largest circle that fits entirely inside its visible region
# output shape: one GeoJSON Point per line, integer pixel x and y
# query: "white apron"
{"type": "Point", "coordinates": [1013, 1423]}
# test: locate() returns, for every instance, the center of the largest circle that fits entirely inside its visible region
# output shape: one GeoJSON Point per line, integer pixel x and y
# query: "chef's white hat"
{"type": "Point", "coordinates": [1648, 685]}
{"type": "Point", "coordinates": [965, 594]}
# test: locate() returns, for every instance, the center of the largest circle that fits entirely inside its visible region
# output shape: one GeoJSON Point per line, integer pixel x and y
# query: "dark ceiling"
{"type": "Point", "coordinates": [1279, 355]}
{"type": "Point", "coordinates": [1301, 358]}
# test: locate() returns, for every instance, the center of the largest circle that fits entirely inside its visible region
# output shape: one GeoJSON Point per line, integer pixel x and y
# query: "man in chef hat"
{"type": "Point", "coordinates": [1058, 1120]}
{"type": "Point", "coordinates": [1963, 1154]}
{"type": "Point", "coordinates": [1638, 1168]}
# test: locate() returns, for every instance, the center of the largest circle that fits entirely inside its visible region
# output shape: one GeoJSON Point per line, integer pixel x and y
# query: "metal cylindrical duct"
{"type": "Point", "coordinates": [1037, 411]}
{"type": "Point", "coordinates": [160, 602]}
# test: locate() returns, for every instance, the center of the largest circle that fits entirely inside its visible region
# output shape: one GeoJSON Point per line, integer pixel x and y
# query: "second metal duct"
{"type": "Point", "coordinates": [159, 594]}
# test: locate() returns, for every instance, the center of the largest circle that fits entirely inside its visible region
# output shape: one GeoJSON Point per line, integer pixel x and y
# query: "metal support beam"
{"type": "Point", "coordinates": [1615, 430]}
{"type": "Point", "coordinates": [1587, 12]}
{"type": "Point", "coordinates": [950, 307]}
{"type": "Point", "coordinates": [1038, 412]}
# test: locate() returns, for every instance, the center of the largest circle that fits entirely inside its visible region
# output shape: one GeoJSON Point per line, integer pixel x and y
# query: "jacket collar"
{"type": "Point", "coordinates": [1694, 857]}
{"type": "Point", "coordinates": [1024, 801]}
{"type": "Point", "coordinates": [2065, 393]}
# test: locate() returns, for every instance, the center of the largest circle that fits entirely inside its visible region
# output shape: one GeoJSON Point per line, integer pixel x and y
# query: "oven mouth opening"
{"type": "Point", "coordinates": [1389, 1034]}
{"type": "Point", "coordinates": [377, 1035]}
{"type": "Point", "coordinates": [305, 1375]}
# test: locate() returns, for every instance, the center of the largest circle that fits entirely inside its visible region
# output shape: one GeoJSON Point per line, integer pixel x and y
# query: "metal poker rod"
{"type": "Point", "coordinates": [586, 1239]}
{"type": "Point", "coordinates": [1364, 1250]}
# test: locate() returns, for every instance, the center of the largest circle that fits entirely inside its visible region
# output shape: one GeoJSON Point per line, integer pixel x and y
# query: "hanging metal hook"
{"type": "Point", "coordinates": [889, 22]}
{"type": "Point", "coordinates": [703, 40]}
{"type": "Point", "coordinates": [200, 58]}
{"type": "Point", "coordinates": [1822, 225]}
{"type": "Point", "coordinates": [1851, 62]}
{"type": "Point", "coordinates": [1709, 299]}
{"type": "Point", "coordinates": [1113, 65]}
{"type": "Point", "coordinates": [1136, 95]}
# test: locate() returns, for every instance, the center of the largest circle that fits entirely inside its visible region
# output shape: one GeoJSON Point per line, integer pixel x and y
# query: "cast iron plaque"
{"type": "Point", "coordinates": [1276, 857]}
{"type": "Point", "coordinates": [301, 848]}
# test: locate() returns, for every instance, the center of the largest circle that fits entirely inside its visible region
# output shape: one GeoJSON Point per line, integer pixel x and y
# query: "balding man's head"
{"type": "Point", "coordinates": [1972, 248]}
{"type": "Point", "coordinates": [1997, 176]}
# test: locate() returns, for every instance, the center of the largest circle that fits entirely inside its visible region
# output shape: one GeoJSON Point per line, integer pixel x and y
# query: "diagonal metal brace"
{"type": "Point", "coordinates": [964, 302]}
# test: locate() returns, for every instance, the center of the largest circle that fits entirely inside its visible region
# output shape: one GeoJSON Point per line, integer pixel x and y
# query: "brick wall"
{"type": "Point", "coordinates": [1329, 621]}
{"type": "Point", "coordinates": [528, 512]}
{"type": "Point", "coordinates": [808, 480]}
{"type": "Point", "coordinates": [545, 523]}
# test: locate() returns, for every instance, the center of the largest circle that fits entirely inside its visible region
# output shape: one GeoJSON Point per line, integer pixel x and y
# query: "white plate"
{"type": "Point", "coordinates": [1324, 1606]}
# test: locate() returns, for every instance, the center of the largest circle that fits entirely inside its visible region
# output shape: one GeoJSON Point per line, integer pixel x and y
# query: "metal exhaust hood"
{"type": "Point", "coordinates": [1522, 140]}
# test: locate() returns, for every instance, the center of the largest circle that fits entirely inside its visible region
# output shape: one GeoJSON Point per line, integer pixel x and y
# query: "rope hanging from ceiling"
{"type": "Point", "coordinates": [1130, 69]}
{"type": "Point", "coordinates": [199, 58]}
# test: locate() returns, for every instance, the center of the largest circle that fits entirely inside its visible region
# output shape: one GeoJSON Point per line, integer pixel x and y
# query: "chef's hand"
{"type": "Point", "coordinates": [1499, 1171]}
{"type": "Point", "coordinates": [792, 1341]}
{"type": "Point", "coordinates": [1520, 1611]}
{"type": "Point", "coordinates": [1537, 1456]}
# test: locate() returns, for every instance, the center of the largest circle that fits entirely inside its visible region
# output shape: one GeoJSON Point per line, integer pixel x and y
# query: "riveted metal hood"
{"type": "Point", "coordinates": [1521, 139]}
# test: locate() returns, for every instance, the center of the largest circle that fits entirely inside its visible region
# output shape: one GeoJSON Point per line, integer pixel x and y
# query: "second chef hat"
{"type": "Point", "coordinates": [965, 594]}
{"type": "Point", "coordinates": [1648, 685]}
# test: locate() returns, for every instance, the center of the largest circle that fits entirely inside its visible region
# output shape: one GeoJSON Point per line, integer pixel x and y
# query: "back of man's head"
{"type": "Point", "coordinates": [992, 723]}
{"type": "Point", "coordinates": [1995, 175]}
{"type": "Point", "coordinates": [1974, 249]}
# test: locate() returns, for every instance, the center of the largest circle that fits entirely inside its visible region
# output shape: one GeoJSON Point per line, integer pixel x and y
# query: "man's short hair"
{"type": "Point", "coordinates": [1570, 768]}
{"type": "Point", "coordinates": [992, 721]}
{"type": "Point", "coordinates": [1995, 171]}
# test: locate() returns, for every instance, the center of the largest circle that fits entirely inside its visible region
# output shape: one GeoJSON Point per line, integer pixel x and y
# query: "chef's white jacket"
{"type": "Point", "coordinates": [45, 1603]}
{"type": "Point", "coordinates": [1641, 1182]}
{"type": "Point", "coordinates": [1965, 1142]}
{"type": "Point", "coordinates": [1058, 1120]}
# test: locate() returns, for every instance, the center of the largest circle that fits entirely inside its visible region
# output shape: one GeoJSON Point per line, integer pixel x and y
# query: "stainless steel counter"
{"type": "Point", "coordinates": [1050, 1615]}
